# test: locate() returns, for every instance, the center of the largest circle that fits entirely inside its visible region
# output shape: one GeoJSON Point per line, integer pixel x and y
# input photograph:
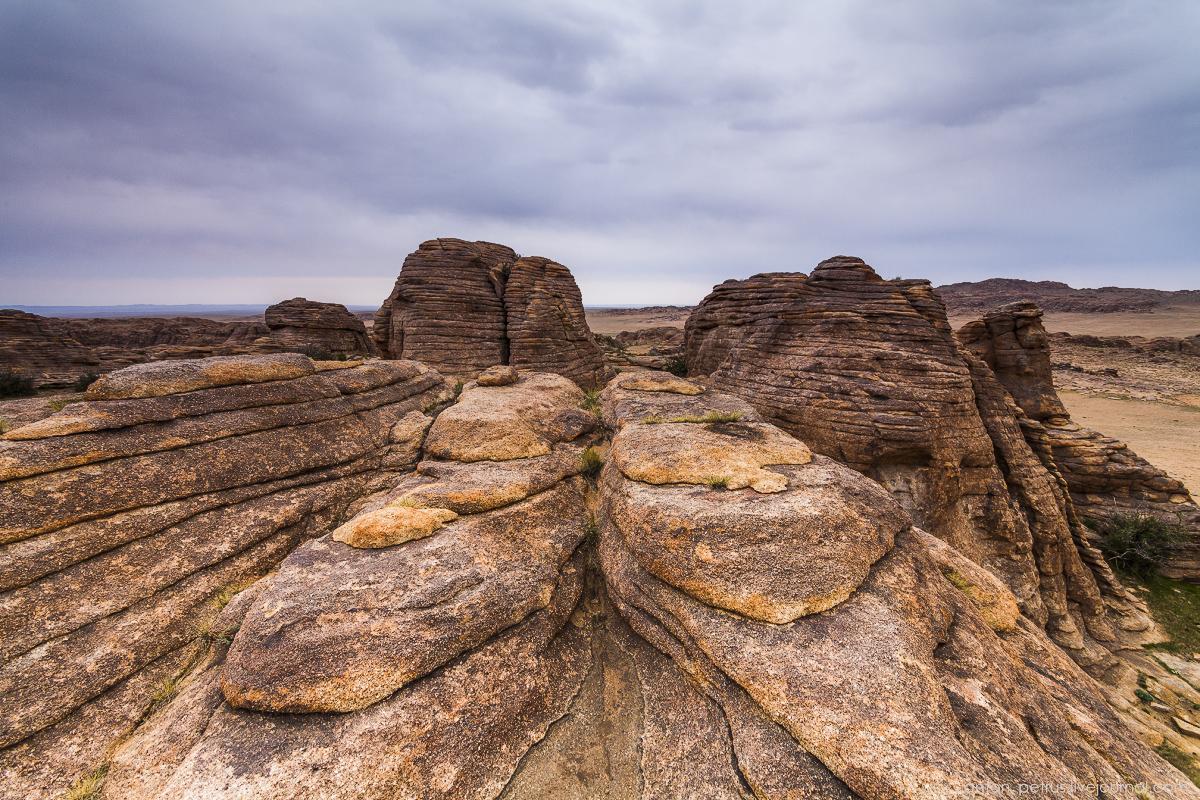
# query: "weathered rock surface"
{"type": "Point", "coordinates": [465, 306]}
{"type": "Point", "coordinates": [306, 325]}
{"type": "Point", "coordinates": [42, 349]}
{"type": "Point", "coordinates": [126, 517]}
{"type": "Point", "coordinates": [868, 372]}
{"type": "Point", "coordinates": [1103, 475]}
{"type": "Point", "coordinates": [694, 642]}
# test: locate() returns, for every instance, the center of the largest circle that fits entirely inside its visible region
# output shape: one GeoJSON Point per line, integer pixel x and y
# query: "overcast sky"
{"type": "Point", "coordinates": [250, 151]}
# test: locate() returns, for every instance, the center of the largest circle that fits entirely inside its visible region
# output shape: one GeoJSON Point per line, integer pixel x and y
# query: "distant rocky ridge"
{"type": "Point", "coordinates": [1055, 296]}
{"type": "Point", "coordinates": [57, 352]}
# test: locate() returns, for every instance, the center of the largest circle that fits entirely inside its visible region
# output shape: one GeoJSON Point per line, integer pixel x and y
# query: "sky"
{"type": "Point", "coordinates": [245, 152]}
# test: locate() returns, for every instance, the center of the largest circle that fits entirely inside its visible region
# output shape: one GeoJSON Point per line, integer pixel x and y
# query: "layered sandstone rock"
{"type": "Point", "coordinates": [1103, 475]}
{"type": "Point", "coordinates": [632, 639]}
{"type": "Point", "coordinates": [42, 349]}
{"type": "Point", "coordinates": [308, 326]}
{"type": "Point", "coordinates": [128, 518]}
{"type": "Point", "coordinates": [465, 306]}
{"type": "Point", "coordinates": [868, 372]}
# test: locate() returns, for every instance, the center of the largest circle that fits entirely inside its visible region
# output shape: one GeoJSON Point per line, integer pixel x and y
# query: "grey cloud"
{"type": "Point", "coordinates": [652, 147]}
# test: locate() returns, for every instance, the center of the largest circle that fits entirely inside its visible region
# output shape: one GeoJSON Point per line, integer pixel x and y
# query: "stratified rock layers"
{"type": "Point", "coordinates": [128, 518]}
{"type": "Point", "coordinates": [464, 306]}
{"type": "Point", "coordinates": [560, 640]}
{"type": "Point", "coordinates": [1104, 477]}
{"type": "Point", "coordinates": [304, 325]}
{"type": "Point", "coordinates": [867, 371]}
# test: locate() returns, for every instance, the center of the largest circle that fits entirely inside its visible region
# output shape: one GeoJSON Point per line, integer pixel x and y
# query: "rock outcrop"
{"type": "Point", "coordinates": [979, 296]}
{"type": "Point", "coordinates": [1104, 477]}
{"type": "Point", "coordinates": [42, 349]}
{"type": "Point", "coordinates": [308, 326]}
{"type": "Point", "coordinates": [128, 518]}
{"type": "Point", "coordinates": [464, 306]}
{"type": "Point", "coordinates": [628, 638]}
{"type": "Point", "coordinates": [868, 372]}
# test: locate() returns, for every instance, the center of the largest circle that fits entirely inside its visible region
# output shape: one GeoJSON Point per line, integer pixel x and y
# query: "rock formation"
{"type": "Point", "coordinates": [531, 634]}
{"type": "Point", "coordinates": [979, 296]}
{"type": "Point", "coordinates": [464, 306]}
{"type": "Point", "coordinates": [128, 518]}
{"type": "Point", "coordinates": [868, 372]}
{"type": "Point", "coordinates": [1103, 475]}
{"type": "Point", "coordinates": [305, 325]}
{"type": "Point", "coordinates": [42, 349]}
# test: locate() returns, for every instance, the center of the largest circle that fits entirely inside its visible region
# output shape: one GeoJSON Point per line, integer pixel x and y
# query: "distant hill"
{"type": "Point", "coordinates": [1057, 296]}
{"type": "Point", "coordinates": [156, 310]}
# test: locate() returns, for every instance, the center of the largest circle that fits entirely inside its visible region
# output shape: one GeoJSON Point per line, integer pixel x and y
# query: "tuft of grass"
{"type": "Point", "coordinates": [1137, 543]}
{"type": "Point", "coordinates": [14, 384]}
{"type": "Point", "coordinates": [591, 529]}
{"type": "Point", "coordinates": [85, 380]}
{"type": "Point", "coordinates": [4, 426]}
{"type": "Point", "coordinates": [711, 416]}
{"type": "Point", "coordinates": [677, 366]}
{"type": "Point", "coordinates": [88, 787]}
{"type": "Point", "coordinates": [1143, 695]}
{"type": "Point", "coordinates": [458, 387]}
{"type": "Point", "coordinates": [591, 401]}
{"type": "Point", "coordinates": [591, 462]}
{"type": "Point", "coordinates": [1176, 607]}
{"type": "Point", "coordinates": [1180, 760]}
{"type": "Point", "coordinates": [956, 578]}
{"type": "Point", "coordinates": [57, 404]}
{"type": "Point", "coordinates": [717, 482]}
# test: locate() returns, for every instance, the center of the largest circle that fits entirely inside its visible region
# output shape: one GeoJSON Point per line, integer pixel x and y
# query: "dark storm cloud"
{"type": "Point", "coordinates": [161, 151]}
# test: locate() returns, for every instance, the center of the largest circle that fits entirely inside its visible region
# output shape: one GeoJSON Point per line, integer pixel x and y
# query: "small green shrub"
{"type": "Point", "coordinates": [591, 401]}
{"type": "Point", "coordinates": [717, 482]}
{"type": "Point", "coordinates": [676, 365]}
{"type": "Point", "coordinates": [458, 387]}
{"type": "Point", "coordinates": [14, 384]}
{"type": "Point", "coordinates": [1137, 543]}
{"type": "Point", "coordinates": [1143, 695]}
{"type": "Point", "coordinates": [591, 462]}
{"type": "Point", "coordinates": [57, 404]}
{"type": "Point", "coordinates": [85, 380]}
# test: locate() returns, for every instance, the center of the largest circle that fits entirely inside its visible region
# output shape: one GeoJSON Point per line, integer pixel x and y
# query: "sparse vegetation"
{"type": "Point", "coordinates": [591, 401]}
{"type": "Point", "coordinates": [1137, 544]}
{"type": "Point", "coordinates": [717, 482]}
{"type": "Point", "coordinates": [321, 354]}
{"type": "Point", "coordinates": [88, 787]}
{"type": "Point", "coordinates": [58, 404]}
{"type": "Point", "coordinates": [591, 462]}
{"type": "Point", "coordinates": [1180, 760]}
{"type": "Point", "coordinates": [591, 529]}
{"type": "Point", "coordinates": [458, 387]}
{"type": "Point", "coordinates": [14, 384]}
{"type": "Point", "coordinates": [676, 365]}
{"type": "Point", "coordinates": [957, 579]}
{"type": "Point", "coordinates": [4, 426]}
{"type": "Point", "coordinates": [710, 417]}
{"type": "Point", "coordinates": [1176, 607]}
{"type": "Point", "coordinates": [85, 380]}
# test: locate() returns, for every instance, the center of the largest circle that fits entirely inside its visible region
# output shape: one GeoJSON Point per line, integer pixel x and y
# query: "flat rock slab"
{"type": "Point", "coordinates": [339, 628]}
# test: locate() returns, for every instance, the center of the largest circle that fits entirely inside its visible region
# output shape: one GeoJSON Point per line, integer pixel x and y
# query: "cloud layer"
{"type": "Point", "coordinates": [243, 152]}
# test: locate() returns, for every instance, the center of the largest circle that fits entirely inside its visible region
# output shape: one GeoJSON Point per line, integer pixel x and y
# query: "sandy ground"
{"type": "Point", "coordinates": [1173, 321]}
{"type": "Point", "coordinates": [610, 322]}
{"type": "Point", "coordinates": [1166, 436]}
